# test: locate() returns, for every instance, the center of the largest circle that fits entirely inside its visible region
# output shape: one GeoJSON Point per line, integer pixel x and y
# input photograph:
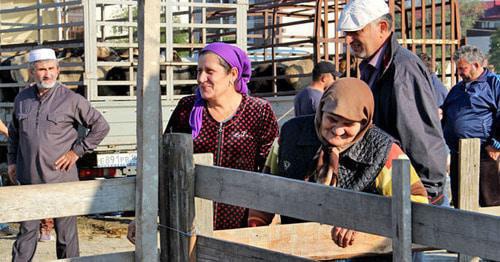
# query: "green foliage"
{"type": "Point", "coordinates": [495, 49]}
{"type": "Point", "coordinates": [470, 11]}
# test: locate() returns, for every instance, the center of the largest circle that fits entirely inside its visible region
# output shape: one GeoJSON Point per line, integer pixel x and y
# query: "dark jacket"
{"type": "Point", "coordinates": [405, 108]}
{"type": "Point", "coordinates": [440, 91]}
{"type": "Point", "coordinates": [473, 111]}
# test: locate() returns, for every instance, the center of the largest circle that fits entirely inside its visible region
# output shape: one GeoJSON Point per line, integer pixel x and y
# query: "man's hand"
{"type": "Point", "coordinates": [11, 172]}
{"type": "Point", "coordinates": [343, 237]}
{"type": "Point", "coordinates": [131, 232]}
{"type": "Point", "coordinates": [66, 161]}
{"type": "Point", "coordinates": [493, 153]}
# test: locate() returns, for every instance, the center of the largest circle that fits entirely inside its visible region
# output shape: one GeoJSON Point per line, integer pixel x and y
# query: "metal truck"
{"type": "Point", "coordinates": [96, 41]}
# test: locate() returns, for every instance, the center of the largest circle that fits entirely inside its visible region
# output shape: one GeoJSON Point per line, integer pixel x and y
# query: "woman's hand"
{"type": "Point", "coordinates": [131, 232]}
{"type": "Point", "coordinates": [343, 237]}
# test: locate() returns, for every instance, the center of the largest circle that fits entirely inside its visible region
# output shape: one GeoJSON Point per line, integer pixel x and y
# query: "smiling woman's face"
{"type": "Point", "coordinates": [213, 79]}
{"type": "Point", "coordinates": [338, 131]}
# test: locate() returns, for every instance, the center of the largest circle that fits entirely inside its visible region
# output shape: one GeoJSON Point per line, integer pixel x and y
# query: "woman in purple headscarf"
{"type": "Point", "coordinates": [224, 120]}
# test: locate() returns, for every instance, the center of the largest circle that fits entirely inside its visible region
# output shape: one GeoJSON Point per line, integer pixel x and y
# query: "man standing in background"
{"type": "Point", "coordinates": [472, 110]}
{"type": "Point", "coordinates": [44, 146]}
{"type": "Point", "coordinates": [402, 88]}
{"type": "Point", "coordinates": [307, 100]}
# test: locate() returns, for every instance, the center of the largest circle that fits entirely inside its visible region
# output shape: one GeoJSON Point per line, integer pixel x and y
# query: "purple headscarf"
{"type": "Point", "coordinates": [235, 57]}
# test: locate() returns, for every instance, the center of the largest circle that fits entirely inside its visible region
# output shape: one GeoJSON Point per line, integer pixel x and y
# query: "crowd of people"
{"type": "Point", "coordinates": [345, 134]}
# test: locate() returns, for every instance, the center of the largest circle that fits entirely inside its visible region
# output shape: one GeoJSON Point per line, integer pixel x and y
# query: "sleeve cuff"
{"type": "Point", "coordinates": [495, 144]}
{"type": "Point", "coordinates": [78, 149]}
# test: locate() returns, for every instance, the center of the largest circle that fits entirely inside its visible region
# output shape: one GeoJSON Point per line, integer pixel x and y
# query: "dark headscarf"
{"type": "Point", "coordinates": [235, 57]}
{"type": "Point", "coordinates": [351, 99]}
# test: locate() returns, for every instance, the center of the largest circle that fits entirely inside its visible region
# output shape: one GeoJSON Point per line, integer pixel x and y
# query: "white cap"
{"type": "Point", "coordinates": [41, 54]}
{"type": "Point", "coordinates": [358, 13]}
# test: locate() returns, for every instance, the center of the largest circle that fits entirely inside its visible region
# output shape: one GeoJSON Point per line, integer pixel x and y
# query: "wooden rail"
{"type": "Point", "coordinates": [455, 230]}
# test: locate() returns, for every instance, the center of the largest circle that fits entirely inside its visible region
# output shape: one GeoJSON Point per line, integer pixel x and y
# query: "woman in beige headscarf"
{"type": "Point", "coordinates": [354, 153]}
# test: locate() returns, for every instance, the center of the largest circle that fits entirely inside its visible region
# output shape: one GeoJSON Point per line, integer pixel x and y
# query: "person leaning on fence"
{"type": "Point", "coordinates": [402, 88]}
{"type": "Point", "coordinates": [224, 120]}
{"type": "Point", "coordinates": [353, 153]}
{"type": "Point", "coordinates": [472, 110]}
{"type": "Point", "coordinates": [44, 145]}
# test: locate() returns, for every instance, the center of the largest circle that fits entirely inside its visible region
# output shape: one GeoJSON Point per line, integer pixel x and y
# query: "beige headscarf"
{"type": "Point", "coordinates": [349, 98]}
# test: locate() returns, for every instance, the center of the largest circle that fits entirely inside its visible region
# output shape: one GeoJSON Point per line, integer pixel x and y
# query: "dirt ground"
{"type": "Point", "coordinates": [96, 235]}
{"type": "Point", "coordinates": [109, 235]}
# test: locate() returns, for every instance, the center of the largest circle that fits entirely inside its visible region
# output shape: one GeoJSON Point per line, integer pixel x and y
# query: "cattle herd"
{"type": "Point", "coordinates": [14, 69]}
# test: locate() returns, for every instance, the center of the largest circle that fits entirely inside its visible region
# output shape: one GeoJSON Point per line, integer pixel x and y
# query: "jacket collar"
{"type": "Point", "coordinates": [356, 152]}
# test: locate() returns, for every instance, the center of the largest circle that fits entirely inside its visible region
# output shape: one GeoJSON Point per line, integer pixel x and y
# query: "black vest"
{"type": "Point", "coordinates": [359, 165]}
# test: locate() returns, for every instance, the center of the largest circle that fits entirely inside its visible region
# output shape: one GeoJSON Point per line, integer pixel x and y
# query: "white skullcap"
{"type": "Point", "coordinates": [358, 13]}
{"type": "Point", "coordinates": [41, 54]}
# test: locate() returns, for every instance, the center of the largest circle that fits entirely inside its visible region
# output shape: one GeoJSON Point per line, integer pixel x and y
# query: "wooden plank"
{"type": "Point", "coordinates": [180, 176]}
{"type": "Point", "coordinates": [401, 210]}
{"type": "Point", "coordinates": [66, 199]}
{"type": "Point", "coordinates": [311, 201]}
{"type": "Point", "coordinates": [211, 249]}
{"type": "Point", "coordinates": [122, 257]}
{"type": "Point", "coordinates": [468, 192]}
{"type": "Point", "coordinates": [494, 211]}
{"type": "Point", "coordinates": [438, 227]}
{"type": "Point", "coordinates": [148, 130]}
{"type": "Point", "coordinates": [456, 230]}
{"type": "Point", "coordinates": [311, 240]}
{"type": "Point", "coordinates": [204, 211]}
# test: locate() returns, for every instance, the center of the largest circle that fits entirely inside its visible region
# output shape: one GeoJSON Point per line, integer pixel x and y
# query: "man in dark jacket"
{"type": "Point", "coordinates": [402, 88]}
{"type": "Point", "coordinates": [471, 110]}
{"type": "Point", "coordinates": [44, 146]}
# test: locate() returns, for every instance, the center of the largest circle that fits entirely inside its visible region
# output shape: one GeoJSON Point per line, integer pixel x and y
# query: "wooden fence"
{"type": "Point", "coordinates": [455, 230]}
{"type": "Point", "coordinates": [186, 229]}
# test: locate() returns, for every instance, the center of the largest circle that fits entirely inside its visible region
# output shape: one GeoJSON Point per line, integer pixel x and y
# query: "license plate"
{"type": "Point", "coordinates": [117, 160]}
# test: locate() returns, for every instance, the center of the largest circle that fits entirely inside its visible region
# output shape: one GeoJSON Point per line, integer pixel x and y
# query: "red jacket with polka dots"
{"type": "Point", "coordinates": [241, 142]}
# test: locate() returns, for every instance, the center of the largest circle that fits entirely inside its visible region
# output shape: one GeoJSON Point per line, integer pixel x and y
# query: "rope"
{"type": "Point", "coordinates": [186, 234]}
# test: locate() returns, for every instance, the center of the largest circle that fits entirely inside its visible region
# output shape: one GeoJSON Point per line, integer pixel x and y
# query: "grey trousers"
{"type": "Point", "coordinates": [66, 244]}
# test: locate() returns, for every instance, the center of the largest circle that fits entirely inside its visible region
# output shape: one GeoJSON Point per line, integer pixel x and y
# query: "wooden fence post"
{"type": "Point", "coordinates": [179, 175]}
{"type": "Point", "coordinates": [401, 211]}
{"type": "Point", "coordinates": [148, 129]}
{"type": "Point", "coordinates": [468, 192]}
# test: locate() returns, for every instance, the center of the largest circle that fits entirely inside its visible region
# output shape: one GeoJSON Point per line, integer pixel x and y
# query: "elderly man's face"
{"type": "Point", "coordinates": [468, 71]}
{"type": "Point", "coordinates": [365, 42]}
{"type": "Point", "coordinates": [45, 73]}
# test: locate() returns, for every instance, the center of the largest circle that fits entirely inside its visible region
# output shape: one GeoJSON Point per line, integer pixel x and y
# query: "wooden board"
{"type": "Point", "coordinates": [22, 203]}
{"type": "Point", "coordinates": [211, 249]}
{"type": "Point", "coordinates": [311, 240]}
{"type": "Point", "coordinates": [122, 257]}
{"type": "Point", "coordinates": [457, 230]}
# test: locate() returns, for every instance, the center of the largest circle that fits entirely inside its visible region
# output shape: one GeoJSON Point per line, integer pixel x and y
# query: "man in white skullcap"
{"type": "Point", "coordinates": [401, 84]}
{"type": "Point", "coordinates": [44, 146]}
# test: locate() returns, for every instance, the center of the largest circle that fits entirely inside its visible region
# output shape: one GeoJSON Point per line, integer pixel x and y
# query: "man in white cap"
{"type": "Point", "coordinates": [404, 101]}
{"type": "Point", "coordinates": [44, 146]}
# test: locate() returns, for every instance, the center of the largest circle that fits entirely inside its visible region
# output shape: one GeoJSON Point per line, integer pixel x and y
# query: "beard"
{"type": "Point", "coordinates": [46, 85]}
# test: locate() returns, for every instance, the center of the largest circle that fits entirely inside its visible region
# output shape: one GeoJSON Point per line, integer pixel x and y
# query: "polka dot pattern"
{"type": "Point", "coordinates": [241, 142]}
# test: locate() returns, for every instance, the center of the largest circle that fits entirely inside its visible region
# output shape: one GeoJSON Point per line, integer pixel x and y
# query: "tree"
{"type": "Point", "coordinates": [470, 11]}
{"type": "Point", "coordinates": [495, 49]}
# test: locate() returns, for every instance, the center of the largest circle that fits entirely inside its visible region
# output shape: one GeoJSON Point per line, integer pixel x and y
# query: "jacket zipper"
{"type": "Point", "coordinates": [217, 161]}
{"type": "Point", "coordinates": [219, 145]}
